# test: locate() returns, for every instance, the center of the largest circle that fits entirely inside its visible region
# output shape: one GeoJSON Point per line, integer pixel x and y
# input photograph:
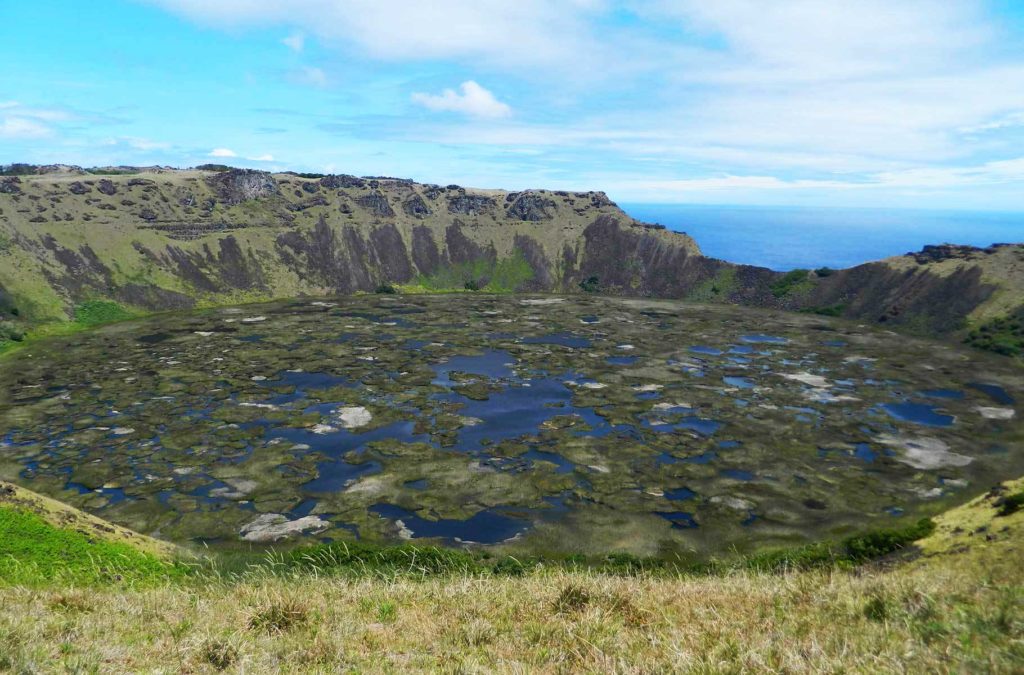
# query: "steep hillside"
{"type": "Point", "coordinates": [72, 242]}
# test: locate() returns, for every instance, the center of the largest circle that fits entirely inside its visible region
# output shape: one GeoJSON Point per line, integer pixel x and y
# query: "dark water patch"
{"type": "Point", "coordinates": [518, 410]}
{"type": "Point", "coordinates": [335, 475]}
{"type": "Point", "coordinates": [680, 494]}
{"type": "Point", "coordinates": [835, 343]}
{"type": "Point", "coordinates": [252, 338]}
{"type": "Point", "coordinates": [414, 345]}
{"type": "Point", "coordinates": [114, 495]}
{"type": "Point", "coordinates": [495, 364]}
{"type": "Point", "coordinates": [918, 413]}
{"type": "Point", "coordinates": [741, 349]}
{"type": "Point", "coordinates": [993, 391]}
{"type": "Point", "coordinates": [589, 319]}
{"type": "Point", "coordinates": [950, 394]}
{"type": "Point", "coordinates": [704, 349]}
{"type": "Point", "coordinates": [737, 474]}
{"type": "Point", "coordinates": [304, 508]}
{"type": "Point", "coordinates": [418, 484]}
{"type": "Point", "coordinates": [681, 520]}
{"type": "Point", "coordinates": [490, 526]}
{"type": "Point", "coordinates": [702, 458]}
{"type": "Point", "coordinates": [154, 338]}
{"type": "Point", "coordinates": [741, 382]}
{"type": "Point", "coordinates": [729, 445]}
{"type": "Point", "coordinates": [562, 339]}
{"type": "Point", "coordinates": [621, 360]}
{"type": "Point", "coordinates": [864, 453]}
{"type": "Point", "coordinates": [302, 380]}
{"type": "Point", "coordinates": [894, 511]}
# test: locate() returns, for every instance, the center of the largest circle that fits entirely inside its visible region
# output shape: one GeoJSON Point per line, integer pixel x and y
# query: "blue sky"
{"type": "Point", "coordinates": [806, 102]}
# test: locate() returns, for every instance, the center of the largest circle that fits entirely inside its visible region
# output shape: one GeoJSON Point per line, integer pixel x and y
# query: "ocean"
{"type": "Point", "coordinates": [785, 238]}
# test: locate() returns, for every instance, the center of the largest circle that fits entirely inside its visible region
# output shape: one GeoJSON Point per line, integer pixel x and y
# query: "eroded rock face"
{"type": "Point", "coordinates": [271, 527]}
{"type": "Point", "coordinates": [335, 182]}
{"type": "Point", "coordinates": [377, 204]}
{"type": "Point", "coordinates": [416, 207]}
{"type": "Point", "coordinates": [471, 205]}
{"type": "Point", "coordinates": [10, 186]}
{"type": "Point", "coordinates": [240, 185]}
{"type": "Point", "coordinates": [107, 187]}
{"type": "Point", "coordinates": [531, 207]}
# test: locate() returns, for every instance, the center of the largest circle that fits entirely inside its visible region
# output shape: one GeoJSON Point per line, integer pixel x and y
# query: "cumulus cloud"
{"type": "Point", "coordinates": [223, 152]}
{"type": "Point", "coordinates": [473, 101]}
{"type": "Point", "coordinates": [261, 158]}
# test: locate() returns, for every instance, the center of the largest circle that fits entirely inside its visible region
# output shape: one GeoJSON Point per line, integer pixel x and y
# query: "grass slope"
{"type": "Point", "coordinates": [959, 606]}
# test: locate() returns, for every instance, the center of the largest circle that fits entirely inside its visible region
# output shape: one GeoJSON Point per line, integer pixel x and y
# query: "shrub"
{"type": "Point", "coordinates": [590, 285]}
{"type": "Point", "coordinates": [824, 271]}
{"type": "Point", "coordinates": [385, 289]}
{"type": "Point", "coordinates": [789, 282]}
{"type": "Point", "coordinates": [471, 285]}
{"type": "Point", "coordinates": [1010, 505]}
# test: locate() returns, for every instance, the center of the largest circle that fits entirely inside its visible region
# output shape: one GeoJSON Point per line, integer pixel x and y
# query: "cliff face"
{"type": "Point", "coordinates": [178, 238]}
{"type": "Point", "coordinates": [160, 239]}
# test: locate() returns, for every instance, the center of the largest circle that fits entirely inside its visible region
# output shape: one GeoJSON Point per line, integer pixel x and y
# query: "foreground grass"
{"type": "Point", "coordinates": [957, 607]}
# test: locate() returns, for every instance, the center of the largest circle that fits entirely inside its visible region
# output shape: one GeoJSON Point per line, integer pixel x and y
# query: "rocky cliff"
{"type": "Point", "coordinates": [157, 239]}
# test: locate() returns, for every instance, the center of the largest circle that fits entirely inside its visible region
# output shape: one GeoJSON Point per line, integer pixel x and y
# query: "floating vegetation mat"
{"type": "Point", "coordinates": [541, 424]}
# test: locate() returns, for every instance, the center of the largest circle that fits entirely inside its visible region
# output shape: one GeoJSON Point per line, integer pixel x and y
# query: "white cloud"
{"type": "Point", "coordinates": [223, 152]}
{"type": "Point", "coordinates": [295, 42]}
{"type": "Point", "coordinates": [261, 158]}
{"type": "Point", "coordinates": [474, 101]}
{"type": "Point", "coordinates": [498, 32]}
{"type": "Point", "coordinates": [22, 127]}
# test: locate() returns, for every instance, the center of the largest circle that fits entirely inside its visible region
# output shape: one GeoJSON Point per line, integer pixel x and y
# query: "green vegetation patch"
{"type": "Point", "coordinates": [792, 283]}
{"type": "Point", "coordinates": [33, 552]}
{"type": "Point", "coordinates": [1004, 335]}
{"type": "Point", "coordinates": [718, 287]}
{"type": "Point", "coordinates": [96, 312]}
{"type": "Point", "coordinates": [502, 276]}
{"type": "Point", "coordinates": [826, 310]}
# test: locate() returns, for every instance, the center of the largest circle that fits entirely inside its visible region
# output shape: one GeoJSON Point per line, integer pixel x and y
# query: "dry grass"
{"type": "Point", "coordinates": [929, 617]}
{"type": "Point", "coordinates": [959, 608]}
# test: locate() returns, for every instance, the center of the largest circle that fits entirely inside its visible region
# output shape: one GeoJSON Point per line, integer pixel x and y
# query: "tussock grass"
{"type": "Point", "coordinates": [935, 618]}
{"type": "Point", "coordinates": [959, 607]}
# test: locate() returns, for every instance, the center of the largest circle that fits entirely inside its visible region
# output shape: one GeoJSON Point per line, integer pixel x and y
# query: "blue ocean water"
{"type": "Point", "coordinates": [784, 238]}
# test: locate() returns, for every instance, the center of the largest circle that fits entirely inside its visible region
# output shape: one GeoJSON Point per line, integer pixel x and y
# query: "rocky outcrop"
{"type": "Point", "coordinates": [377, 204]}
{"type": "Point", "coordinates": [470, 205]}
{"type": "Point", "coordinates": [531, 207]}
{"type": "Point", "coordinates": [241, 185]}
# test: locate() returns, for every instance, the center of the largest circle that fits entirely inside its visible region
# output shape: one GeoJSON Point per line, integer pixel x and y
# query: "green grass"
{"type": "Point", "coordinates": [717, 288]}
{"type": "Point", "coordinates": [503, 276]}
{"type": "Point", "coordinates": [34, 553]}
{"type": "Point", "coordinates": [97, 312]}
{"type": "Point", "coordinates": [792, 283]}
